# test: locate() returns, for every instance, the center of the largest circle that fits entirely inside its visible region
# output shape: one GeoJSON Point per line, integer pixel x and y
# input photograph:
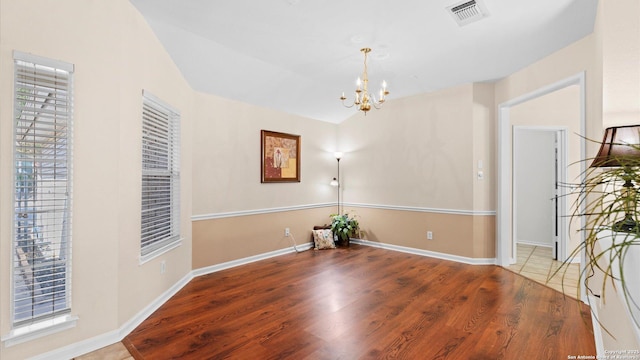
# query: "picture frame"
{"type": "Point", "coordinates": [280, 157]}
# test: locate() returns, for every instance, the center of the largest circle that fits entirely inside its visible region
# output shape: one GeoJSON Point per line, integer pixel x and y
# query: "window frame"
{"type": "Point", "coordinates": [25, 328]}
{"type": "Point", "coordinates": [160, 161]}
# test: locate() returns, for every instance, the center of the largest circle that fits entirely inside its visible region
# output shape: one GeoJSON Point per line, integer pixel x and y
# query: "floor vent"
{"type": "Point", "coordinates": [467, 12]}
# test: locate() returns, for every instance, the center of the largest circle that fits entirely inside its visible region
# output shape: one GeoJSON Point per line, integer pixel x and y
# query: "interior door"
{"type": "Point", "coordinates": [535, 185]}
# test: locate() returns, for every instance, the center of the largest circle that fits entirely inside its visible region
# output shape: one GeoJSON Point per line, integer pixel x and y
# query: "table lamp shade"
{"type": "Point", "coordinates": [620, 147]}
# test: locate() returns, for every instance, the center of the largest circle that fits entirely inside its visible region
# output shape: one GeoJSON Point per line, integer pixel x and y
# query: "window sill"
{"type": "Point", "coordinates": [42, 328]}
{"type": "Point", "coordinates": [152, 255]}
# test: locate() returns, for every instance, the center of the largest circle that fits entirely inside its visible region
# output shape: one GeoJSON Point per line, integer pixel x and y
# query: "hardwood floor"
{"type": "Point", "coordinates": [364, 302]}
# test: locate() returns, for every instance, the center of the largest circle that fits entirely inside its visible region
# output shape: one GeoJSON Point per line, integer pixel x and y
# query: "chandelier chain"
{"type": "Point", "coordinates": [363, 99]}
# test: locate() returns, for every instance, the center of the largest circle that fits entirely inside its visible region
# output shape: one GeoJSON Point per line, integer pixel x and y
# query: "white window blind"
{"type": "Point", "coordinates": [160, 177]}
{"type": "Point", "coordinates": [42, 189]}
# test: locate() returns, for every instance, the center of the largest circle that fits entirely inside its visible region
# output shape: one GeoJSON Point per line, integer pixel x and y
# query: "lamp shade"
{"type": "Point", "coordinates": [620, 147]}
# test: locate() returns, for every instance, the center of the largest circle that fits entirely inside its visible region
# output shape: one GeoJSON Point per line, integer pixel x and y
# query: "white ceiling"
{"type": "Point", "coordinates": [298, 56]}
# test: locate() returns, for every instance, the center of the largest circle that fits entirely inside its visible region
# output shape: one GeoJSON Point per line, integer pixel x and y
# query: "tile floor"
{"type": "Point", "coordinates": [535, 263]}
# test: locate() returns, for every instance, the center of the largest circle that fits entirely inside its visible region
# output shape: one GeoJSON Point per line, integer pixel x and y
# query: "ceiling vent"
{"type": "Point", "coordinates": [467, 12]}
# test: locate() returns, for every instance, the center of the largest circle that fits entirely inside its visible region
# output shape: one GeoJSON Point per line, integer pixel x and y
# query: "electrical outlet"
{"type": "Point", "coordinates": [163, 267]}
{"type": "Point", "coordinates": [286, 231]}
{"type": "Point", "coordinates": [429, 235]}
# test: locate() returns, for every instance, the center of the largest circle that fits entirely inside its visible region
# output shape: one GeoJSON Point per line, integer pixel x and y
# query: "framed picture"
{"type": "Point", "coordinates": [280, 154]}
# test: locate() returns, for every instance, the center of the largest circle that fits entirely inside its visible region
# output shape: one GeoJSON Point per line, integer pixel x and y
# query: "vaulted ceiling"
{"type": "Point", "coordinates": [298, 56]}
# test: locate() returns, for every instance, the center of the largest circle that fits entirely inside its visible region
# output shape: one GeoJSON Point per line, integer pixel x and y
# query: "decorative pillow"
{"type": "Point", "coordinates": [323, 239]}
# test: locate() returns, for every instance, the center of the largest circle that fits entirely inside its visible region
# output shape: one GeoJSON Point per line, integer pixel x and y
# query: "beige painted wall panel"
{"type": "Point", "coordinates": [115, 56]}
{"type": "Point", "coordinates": [484, 148]}
{"type": "Point", "coordinates": [461, 235]}
{"type": "Point", "coordinates": [415, 151]}
{"type": "Point", "coordinates": [583, 55]}
{"type": "Point", "coordinates": [225, 239]}
{"type": "Point", "coordinates": [621, 62]}
{"type": "Point", "coordinates": [484, 236]}
{"type": "Point", "coordinates": [143, 58]}
{"type": "Point", "coordinates": [619, 22]}
{"type": "Point", "coordinates": [226, 146]}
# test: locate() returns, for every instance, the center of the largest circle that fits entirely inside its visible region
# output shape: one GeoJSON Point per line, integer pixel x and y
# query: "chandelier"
{"type": "Point", "coordinates": [363, 99]}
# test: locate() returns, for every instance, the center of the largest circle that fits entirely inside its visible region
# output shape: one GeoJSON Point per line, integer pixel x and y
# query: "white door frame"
{"type": "Point", "coordinates": [504, 235]}
{"type": "Point", "coordinates": [563, 160]}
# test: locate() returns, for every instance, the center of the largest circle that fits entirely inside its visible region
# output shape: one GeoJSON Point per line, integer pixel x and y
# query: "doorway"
{"type": "Point", "coordinates": [506, 251]}
{"type": "Point", "coordinates": [538, 202]}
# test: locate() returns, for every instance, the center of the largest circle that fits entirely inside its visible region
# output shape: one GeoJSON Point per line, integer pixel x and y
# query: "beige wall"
{"type": "Point", "coordinates": [619, 30]}
{"type": "Point", "coordinates": [115, 56]}
{"type": "Point", "coordinates": [420, 155]}
{"type": "Point", "coordinates": [581, 56]}
{"type": "Point", "coordinates": [416, 151]}
{"type": "Point", "coordinates": [609, 58]}
{"type": "Point", "coordinates": [226, 140]}
{"type": "Point", "coordinates": [419, 152]}
{"type": "Point", "coordinates": [620, 62]}
{"type": "Point", "coordinates": [560, 108]}
{"type": "Point", "coordinates": [231, 238]}
{"type": "Point", "coordinates": [470, 236]}
{"type": "Point", "coordinates": [226, 183]}
{"type": "Point", "coordinates": [484, 147]}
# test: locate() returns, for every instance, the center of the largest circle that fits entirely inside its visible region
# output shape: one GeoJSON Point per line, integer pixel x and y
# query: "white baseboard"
{"type": "Point", "coordinates": [597, 328]}
{"type": "Point", "coordinates": [247, 260]}
{"type": "Point", "coordinates": [114, 336]}
{"type": "Point", "coordinates": [533, 243]}
{"type": "Point", "coordinates": [432, 254]}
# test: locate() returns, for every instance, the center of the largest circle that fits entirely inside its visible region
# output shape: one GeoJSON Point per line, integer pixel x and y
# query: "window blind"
{"type": "Point", "coordinates": [160, 177]}
{"type": "Point", "coordinates": [42, 189]}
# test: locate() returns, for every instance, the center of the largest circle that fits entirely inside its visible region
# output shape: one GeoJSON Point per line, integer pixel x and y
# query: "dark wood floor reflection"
{"type": "Point", "coordinates": [364, 302]}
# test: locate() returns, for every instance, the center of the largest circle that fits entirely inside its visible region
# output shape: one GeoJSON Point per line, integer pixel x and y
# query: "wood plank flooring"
{"type": "Point", "coordinates": [364, 303]}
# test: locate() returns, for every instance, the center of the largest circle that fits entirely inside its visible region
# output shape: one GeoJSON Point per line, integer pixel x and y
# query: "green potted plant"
{"type": "Point", "coordinates": [344, 227]}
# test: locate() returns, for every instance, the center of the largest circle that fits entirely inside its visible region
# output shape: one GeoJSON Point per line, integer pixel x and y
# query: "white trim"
{"type": "Point", "coordinates": [622, 266]}
{"type": "Point", "coordinates": [34, 65]}
{"type": "Point", "coordinates": [248, 260]}
{"type": "Point", "coordinates": [504, 211]}
{"type": "Point", "coordinates": [427, 253]}
{"type": "Point", "coordinates": [258, 211]}
{"type": "Point", "coordinates": [111, 337]}
{"type": "Point", "coordinates": [149, 97]}
{"type": "Point", "coordinates": [143, 259]}
{"type": "Point", "coordinates": [114, 336]}
{"type": "Point", "coordinates": [39, 329]}
{"type": "Point", "coordinates": [62, 65]}
{"type": "Point", "coordinates": [159, 231]}
{"type": "Point", "coordinates": [423, 209]}
{"type": "Point", "coordinates": [597, 328]}
{"type": "Point", "coordinates": [322, 205]}
{"type": "Point", "coordinates": [532, 243]}
{"type": "Point", "coordinates": [132, 323]}
{"type": "Point", "coordinates": [81, 347]}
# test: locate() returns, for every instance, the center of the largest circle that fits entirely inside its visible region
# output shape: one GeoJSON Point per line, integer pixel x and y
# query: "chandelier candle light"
{"type": "Point", "coordinates": [363, 99]}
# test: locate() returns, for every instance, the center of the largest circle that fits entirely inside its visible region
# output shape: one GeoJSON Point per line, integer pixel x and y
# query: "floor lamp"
{"type": "Point", "coordinates": [336, 182]}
